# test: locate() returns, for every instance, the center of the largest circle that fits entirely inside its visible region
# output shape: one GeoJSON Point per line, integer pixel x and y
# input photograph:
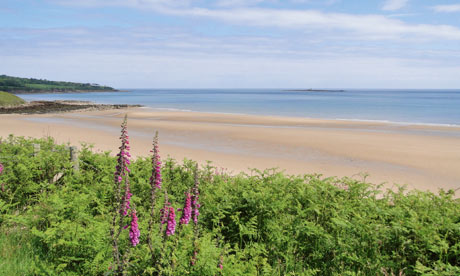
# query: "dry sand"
{"type": "Point", "coordinates": [422, 157]}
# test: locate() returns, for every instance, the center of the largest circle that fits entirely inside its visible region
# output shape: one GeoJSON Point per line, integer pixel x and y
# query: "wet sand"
{"type": "Point", "coordinates": [419, 156]}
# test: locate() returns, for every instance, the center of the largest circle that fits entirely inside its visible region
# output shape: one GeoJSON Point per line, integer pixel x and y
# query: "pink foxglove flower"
{"type": "Point", "coordinates": [155, 179]}
{"type": "Point", "coordinates": [171, 227]}
{"type": "Point", "coordinates": [221, 263]}
{"type": "Point", "coordinates": [195, 204]}
{"type": "Point", "coordinates": [187, 210]}
{"type": "Point", "coordinates": [194, 258]}
{"type": "Point", "coordinates": [122, 168]}
{"type": "Point", "coordinates": [134, 232]}
{"type": "Point", "coordinates": [122, 203]}
{"type": "Point", "coordinates": [127, 201]}
{"type": "Point", "coordinates": [155, 185]}
{"type": "Point", "coordinates": [195, 212]}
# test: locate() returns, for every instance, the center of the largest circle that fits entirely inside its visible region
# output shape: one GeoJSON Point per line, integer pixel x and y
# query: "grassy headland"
{"type": "Point", "coordinates": [8, 99]}
{"type": "Point", "coordinates": [31, 85]}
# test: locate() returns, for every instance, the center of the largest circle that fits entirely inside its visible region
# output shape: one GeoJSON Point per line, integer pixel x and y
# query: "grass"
{"type": "Point", "coordinates": [16, 253]}
{"type": "Point", "coordinates": [8, 99]}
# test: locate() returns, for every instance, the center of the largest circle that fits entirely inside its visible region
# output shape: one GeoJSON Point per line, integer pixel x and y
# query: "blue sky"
{"type": "Point", "coordinates": [234, 43]}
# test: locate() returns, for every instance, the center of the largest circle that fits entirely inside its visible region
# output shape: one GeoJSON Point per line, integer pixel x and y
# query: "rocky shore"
{"type": "Point", "coordinates": [57, 91]}
{"type": "Point", "coordinates": [41, 107]}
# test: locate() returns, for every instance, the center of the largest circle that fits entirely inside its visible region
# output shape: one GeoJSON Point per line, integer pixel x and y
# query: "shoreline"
{"type": "Point", "coordinates": [104, 106]}
{"type": "Point", "coordinates": [423, 157]}
{"type": "Point", "coordinates": [376, 121]}
{"type": "Point", "coordinates": [51, 107]}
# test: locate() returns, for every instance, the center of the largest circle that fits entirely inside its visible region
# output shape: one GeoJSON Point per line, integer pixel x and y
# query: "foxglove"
{"type": "Point", "coordinates": [134, 232]}
{"type": "Point", "coordinates": [171, 227]}
{"type": "Point", "coordinates": [187, 210]}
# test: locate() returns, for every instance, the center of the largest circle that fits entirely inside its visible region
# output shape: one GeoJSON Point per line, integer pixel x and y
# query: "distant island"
{"type": "Point", "coordinates": [313, 90]}
{"type": "Point", "coordinates": [30, 85]}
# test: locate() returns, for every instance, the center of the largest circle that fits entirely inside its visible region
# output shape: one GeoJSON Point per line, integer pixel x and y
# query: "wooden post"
{"type": "Point", "coordinates": [74, 158]}
{"type": "Point", "coordinates": [36, 149]}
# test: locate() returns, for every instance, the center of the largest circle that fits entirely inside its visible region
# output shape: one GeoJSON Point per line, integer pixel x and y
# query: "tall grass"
{"type": "Point", "coordinates": [16, 253]}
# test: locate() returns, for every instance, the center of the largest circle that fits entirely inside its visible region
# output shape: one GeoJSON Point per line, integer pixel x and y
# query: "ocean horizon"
{"type": "Point", "coordinates": [398, 106]}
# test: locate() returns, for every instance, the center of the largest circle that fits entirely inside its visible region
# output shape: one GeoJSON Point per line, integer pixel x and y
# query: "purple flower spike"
{"type": "Point", "coordinates": [122, 170]}
{"type": "Point", "coordinates": [221, 263]}
{"type": "Point", "coordinates": [134, 232]}
{"type": "Point", "coordinates": [195, 204]}
{"type": "Point", "coordinates": [164, 215]}
{"type": "Point", "coordinates": [1, 168]}
{"type": "Point", "coordinates": [123, 160]}
{"type": "Point", "coordinates": [155, 179]}
{"type": "Point", "coordinates": [194, 258]}
{"type": "Point", "coordinates": [122, 203]}
{"type": "Point", "coordinates": [187, 210]}
{"type": "Point", "coordinates": [127, 202]}
{"type": "Point", "coordinates": [171, 228]}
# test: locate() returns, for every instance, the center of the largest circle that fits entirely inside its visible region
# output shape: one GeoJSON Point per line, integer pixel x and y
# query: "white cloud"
{"type": "Point", "coordinates": [240, 3]}
{"type": "Point", "coordinates": [447, 8]}
{"type": "Point", "coordinates": [392, 5]}
{"type": "Point", "coordinates": [370, 27]}
{"type": "Point", "coordinates": [373, 26]}
{"type": "Point", "coordinates": [294, 48]}
{"type": "Point", "coordinates": [179, 42]}
{"type": "Point", "coordinates": [140, 4]}
{"type": "Point", "coordinates": [190, 71]}
{"type": "Point", "coordinates": [245, 3]}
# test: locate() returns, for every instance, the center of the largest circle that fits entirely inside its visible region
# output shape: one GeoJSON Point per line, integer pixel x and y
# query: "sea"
{"type": "Point", "coordinates": [425, 107]}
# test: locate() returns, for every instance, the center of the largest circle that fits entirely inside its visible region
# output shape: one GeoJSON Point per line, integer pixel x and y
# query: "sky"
{"type": "Point", "coordinates": [234, 43]}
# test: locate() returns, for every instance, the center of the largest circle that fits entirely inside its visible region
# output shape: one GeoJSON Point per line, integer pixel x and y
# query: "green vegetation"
{"type": "Point", "coordinates": [26, 85]}
{"type": "Point", "coordinates": [56, 221]}
{"type": "Point", "coordinates": [8, 99]}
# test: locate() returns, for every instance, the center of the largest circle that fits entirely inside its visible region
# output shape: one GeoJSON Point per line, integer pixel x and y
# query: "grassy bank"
{"type": "Point", "coordinates": [56, 221]}
{"type": "Point", "coordinates": [8, 99]}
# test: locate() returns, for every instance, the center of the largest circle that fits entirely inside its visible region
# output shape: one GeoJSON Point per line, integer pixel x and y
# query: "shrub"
{"type": "Point", "coordinates": [263, 223]}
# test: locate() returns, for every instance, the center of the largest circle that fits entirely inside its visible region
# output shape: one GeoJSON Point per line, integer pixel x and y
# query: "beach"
{"type": "Point", "coordinates": [421, 157]}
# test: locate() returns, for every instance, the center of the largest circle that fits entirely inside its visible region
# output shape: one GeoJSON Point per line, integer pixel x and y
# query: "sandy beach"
{"type": "Point", "coordinates": [419, 156]}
